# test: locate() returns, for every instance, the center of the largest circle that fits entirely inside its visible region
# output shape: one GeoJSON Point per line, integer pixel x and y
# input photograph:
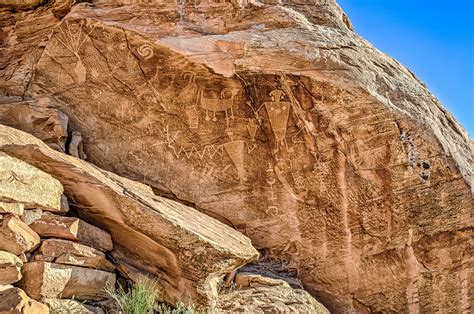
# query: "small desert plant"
{"type": "Point", "coordinates": [139, 299]}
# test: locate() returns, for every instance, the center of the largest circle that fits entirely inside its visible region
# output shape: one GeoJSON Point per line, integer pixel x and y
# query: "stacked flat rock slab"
{"type": "Point", "coordinates": [43, 280]}
{"type": "Point", "coordinates": [69, 262]}
{"type": "Point", "coordinates": [10, 268]}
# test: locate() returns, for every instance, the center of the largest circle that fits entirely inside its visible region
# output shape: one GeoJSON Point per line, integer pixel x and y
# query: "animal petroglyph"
{"type": "Point", "coordinates": [215, 104]}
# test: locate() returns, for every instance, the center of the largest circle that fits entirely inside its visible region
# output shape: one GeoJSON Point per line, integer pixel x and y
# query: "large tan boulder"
{"type": "Point", "coordinates": [187, 251]}
{"type": "Point", "coordinates": [23, 183]}
{"type": "Point", "coordinates": [71, 253]}
{"type": "Point", "coordinates": [254, 293]}
{"type": "Point", "coordinates": [16, 237]}
{"type": "Point", "coordinates": [71, 228]}
{"type": "Point", "coordinates": [15, 301]}
{"type": "Point", "coordinates": [10, 268]}
{"type": "Point", "coordinates": [43, 280]}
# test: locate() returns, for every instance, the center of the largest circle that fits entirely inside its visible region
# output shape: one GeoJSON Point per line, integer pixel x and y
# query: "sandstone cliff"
{"type": "Point", "coordinates": [274, 118]}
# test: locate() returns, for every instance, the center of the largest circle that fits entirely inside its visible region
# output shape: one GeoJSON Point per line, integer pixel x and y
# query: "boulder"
{"type": "Point", "coordinates": [43, 280]}
{"type": "Point", "coordinates": [71, 253]}
{"type": "Point", "coordinates": [12, 208]}
{"type": "Point", "coordinates": [15, 301]}
{"type": "Point", "coordinates": [23, 183]}
{"type": "Point", "coordinates": [153, 236]}
{"type": "Point", "coordinates": [8, 259]}
{"type": "Point", "coordinates": [16, 237]}
{"type": "Point", "coordinates": [9, 275]}
{"type": "Point", "coordinates": [10, 268]}
{"type": "Point", "coordinates": [254, 293]}
{"type": "Point", "coordinates": [29, 216]}
{"type": "Point", "coordinates": [71, 228]}
{"type": "Point", "coordinates": [38, 118]}
{"type": "Point", "coordinates": [63, 306]}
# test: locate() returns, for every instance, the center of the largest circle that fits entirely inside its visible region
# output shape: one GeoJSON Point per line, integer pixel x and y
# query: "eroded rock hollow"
{"type": "Point", "coordinates": [274, 118]}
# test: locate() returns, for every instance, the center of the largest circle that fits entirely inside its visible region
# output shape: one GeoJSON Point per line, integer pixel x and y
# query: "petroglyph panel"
{"type": "Point", "coordinates": [324, 178]}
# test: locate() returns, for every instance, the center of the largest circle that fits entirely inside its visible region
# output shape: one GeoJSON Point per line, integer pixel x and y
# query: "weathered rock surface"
{"type": "Point", "coordinates": [11, 208]}
{"type": "Point", "coordinates": [16, 237]}
{"type": "Point", "coordinates": [71, 228]}
{"type": "Point", "coordinates": [23, 183]}
{"type": "Point", "coordinates": [9, 275]}
{"type": "Point", "coordinates": [257, 294]}
{"type": "Point", "coordinates": [10, 268]}
{"type": "Point", "coordinates": [63, 306]}
{"type": "Point", "coordinates": [16, 301]}
{"type": "Point", "coordinates": [43, 280]}
{"type": "Point", "coordinates": [186, 250]}
{"type": "Point", "coordinates": [276, 119]}
{"type": "Point", "coordinates": [71, 253]}
{"type": "Point", "coordinates": [37, 118]}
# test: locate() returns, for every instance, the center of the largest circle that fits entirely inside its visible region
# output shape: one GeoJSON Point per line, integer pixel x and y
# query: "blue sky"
{"type": "Point", "coordinates": [433, 38]}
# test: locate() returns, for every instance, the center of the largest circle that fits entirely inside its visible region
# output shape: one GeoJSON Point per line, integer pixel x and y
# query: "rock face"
{"type": "Point", "coordinates": [153, 236]}
{"type": "Point", "coordinates": [37, 118]}
{"type": "Point", "coordinates": [277, 120]}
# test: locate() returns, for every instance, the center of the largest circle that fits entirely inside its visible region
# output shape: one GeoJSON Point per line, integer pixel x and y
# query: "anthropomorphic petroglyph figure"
{"type": "Point", "coordinates": [236, 151]}
{"type": "Point", "coordinates": [278, 113]}
{"type": "Point", "coordinates": [215, 104]}
{"type": "Point", "coordinates": [188, 95]}
{"type": "Point", "coordinates": [76, 148]}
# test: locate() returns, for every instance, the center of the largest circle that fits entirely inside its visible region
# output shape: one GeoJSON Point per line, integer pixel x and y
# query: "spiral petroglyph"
{"type": "Point", "coordinates": [145, 51]}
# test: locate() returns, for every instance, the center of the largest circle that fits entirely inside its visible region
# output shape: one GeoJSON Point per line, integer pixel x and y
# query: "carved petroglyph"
{"type": "Point", "coordinates": [235, 149]}
{"type": "Point", "coordinates": [10, 176]}
{"type": "Point", "coordinates": [145, 51]}
{"type": "Point", "coordinates": [216, 103]}
{"type": "Point", "coordinates": [72, 38]}
{"type": "Point", "coordinates": [188, 96]}
{"type": "Point", "coordinates": [272, 210]}
{"type": "Point", "coordinates": [278, 112]}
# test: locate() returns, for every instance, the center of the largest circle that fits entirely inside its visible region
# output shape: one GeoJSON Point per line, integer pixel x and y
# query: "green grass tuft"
{"type": "Point", "coordinates": [140, 299]}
